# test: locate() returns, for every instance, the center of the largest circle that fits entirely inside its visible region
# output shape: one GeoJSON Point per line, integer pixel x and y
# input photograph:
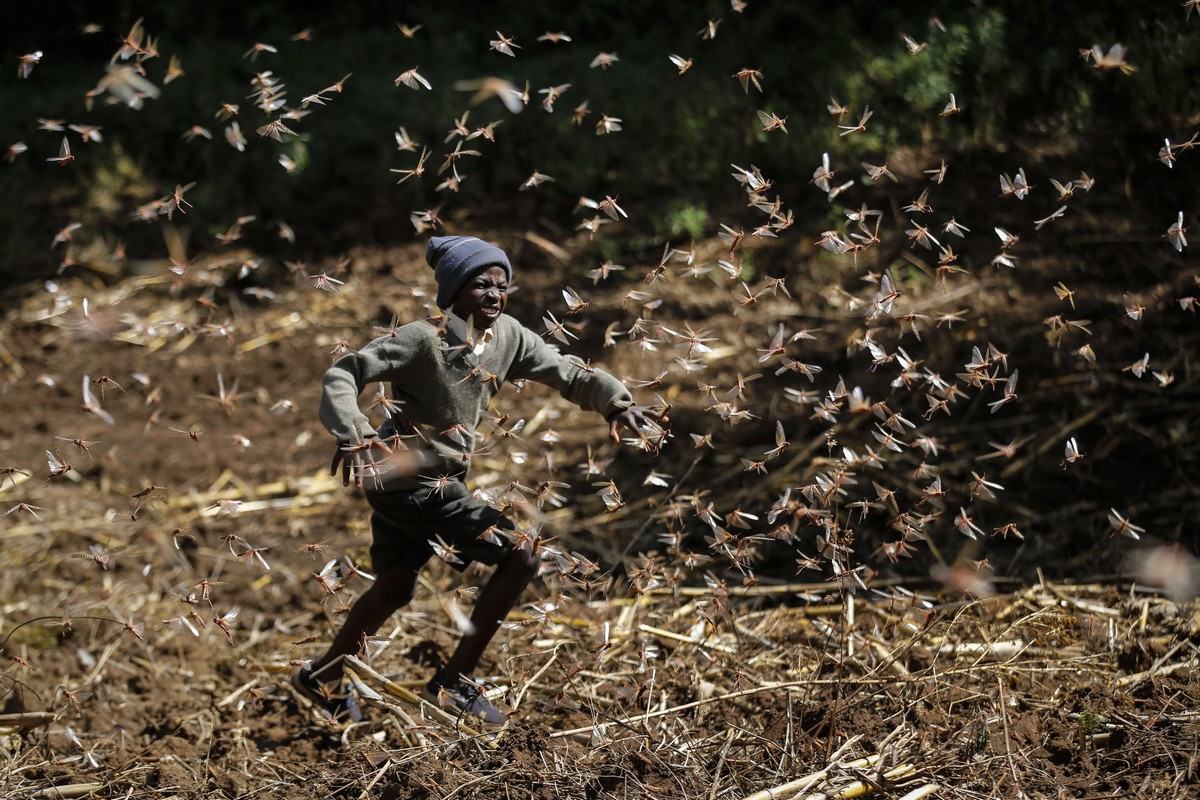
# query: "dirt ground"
{"type": "Point", "coordinates": [158, 593]}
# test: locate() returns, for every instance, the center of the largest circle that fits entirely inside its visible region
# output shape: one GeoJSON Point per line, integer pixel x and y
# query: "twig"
{"type": "Point", "coordinates": [521, 694]}
{"type": "Point", "coordinates": [480, 779]}
{"type": "Point", "coordinates": [716, 774]}
{"type": "Point", "coordinates": [684, 707]}
{"type": "Point", "coordinates": [366, 792]}
{"type": "Point", "coordinates": [1050, 442]}
{"type": "Point", "coordinates": [1012, 764]}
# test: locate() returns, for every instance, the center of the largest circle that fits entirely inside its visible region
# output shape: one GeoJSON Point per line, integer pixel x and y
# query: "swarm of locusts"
{"type": "Point", "coordinates": [821, 429]}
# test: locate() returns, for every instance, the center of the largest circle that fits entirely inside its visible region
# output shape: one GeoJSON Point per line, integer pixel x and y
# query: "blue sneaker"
{"type": "Point", "coordinates": [463, 697]}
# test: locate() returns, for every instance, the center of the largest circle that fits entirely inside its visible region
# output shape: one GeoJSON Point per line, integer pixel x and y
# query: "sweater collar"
{"type": "Point", "coordinates": [476, 340]}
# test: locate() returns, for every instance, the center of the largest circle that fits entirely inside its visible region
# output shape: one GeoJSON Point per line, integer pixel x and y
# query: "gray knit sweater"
{"type": "Point", "coordinates": [442, 388]}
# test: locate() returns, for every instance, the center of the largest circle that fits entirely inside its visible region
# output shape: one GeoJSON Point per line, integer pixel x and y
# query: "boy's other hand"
{"type": "Point", "coordinates": [357, 458]}
{"type": "Point", "coordinates": [634, 418]}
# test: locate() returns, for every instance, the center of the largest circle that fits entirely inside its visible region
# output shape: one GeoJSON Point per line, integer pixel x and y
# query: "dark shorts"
{"type": "Point", "coordinates": [403, 525]}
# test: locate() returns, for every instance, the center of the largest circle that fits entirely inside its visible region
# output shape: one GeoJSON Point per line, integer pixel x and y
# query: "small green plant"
{"type": "Point", "coordinates": [118, 183]}
{"type": "Point", "coordinates": [1091, 722]}
{"type": "Point", "coordinates": [685, 219]}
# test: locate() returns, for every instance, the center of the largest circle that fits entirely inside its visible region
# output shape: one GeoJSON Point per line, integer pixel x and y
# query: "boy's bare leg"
{"type": "Point", "coordinates": [389, 593]}
{"type": "Point", "coordinates": [498, 597]}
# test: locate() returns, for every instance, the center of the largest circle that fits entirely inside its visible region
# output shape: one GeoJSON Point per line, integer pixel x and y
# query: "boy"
{"type": "Point", "coordinates": [442, 381]}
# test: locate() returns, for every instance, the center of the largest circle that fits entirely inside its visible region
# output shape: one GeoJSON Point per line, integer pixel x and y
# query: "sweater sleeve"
{"type": "Point", "coordinates": [345, 381]}
{"type": "Point", "coordinates": [590, 388]}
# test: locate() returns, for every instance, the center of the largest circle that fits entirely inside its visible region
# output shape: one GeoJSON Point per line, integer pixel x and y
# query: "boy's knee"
{"type": "Point", "coordinates": [396, 588]}
{"type": "Point", "coordinates": [528, 562]}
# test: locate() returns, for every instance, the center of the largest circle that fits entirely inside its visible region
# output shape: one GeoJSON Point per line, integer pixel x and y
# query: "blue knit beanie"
{"type": "Point", "coordinates": [456, 258]}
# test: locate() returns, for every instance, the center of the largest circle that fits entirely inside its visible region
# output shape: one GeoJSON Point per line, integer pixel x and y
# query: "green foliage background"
{"type": "Point", "coordinates": [1013, 66]}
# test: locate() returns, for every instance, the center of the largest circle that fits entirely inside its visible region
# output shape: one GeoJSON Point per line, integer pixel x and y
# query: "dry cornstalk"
{"type": "Point", "coordinates": [69, 790]}
{"type": "Point", "coordinates": [396, 690]}
{"type": "Point", "coordinates": [412, 734]}
{"type": "Point", "coordinates": [281, 328]}
{"type": "Point", "coordinates": [1007, 649]}
{"type": "Point", "coordinates": [862, 788]}
{"type": "Point", "coordinates": [793, 789]}
{"type": "Point", "coordinates": [573, 622]}
{"type": "Point", "coordinates": [274, 504]}
{"type": "Point", "coordinates": [15, 723]}
{"type": "Point", "coordinates": [688, 639]}
{"type": "Point", "coordinates": [236, 693]}
{"type": "Point", "coordinates": [803, 784]}
{"type": "Point", "coordinates": [1061, 598]}
{"type": "Point", "coordinates": [1130, 681]}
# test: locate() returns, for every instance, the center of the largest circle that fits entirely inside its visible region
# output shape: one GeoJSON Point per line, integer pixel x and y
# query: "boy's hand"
{"type": "Point", "coordinates": [355, 458]}
{"type": "Point", "coordinates": [634, 418]}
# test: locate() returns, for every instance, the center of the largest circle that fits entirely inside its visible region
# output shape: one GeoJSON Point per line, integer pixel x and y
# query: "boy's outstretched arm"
{"type": "Point", "coordinates": [634, 418]}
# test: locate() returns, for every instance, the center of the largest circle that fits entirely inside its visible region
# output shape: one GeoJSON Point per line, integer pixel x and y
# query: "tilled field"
{"type": "Point", "coordinates": [159, 591]}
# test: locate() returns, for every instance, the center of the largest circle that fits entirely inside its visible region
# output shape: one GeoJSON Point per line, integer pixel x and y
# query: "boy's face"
{"type": "Point", "coordinates": [483, 297]}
